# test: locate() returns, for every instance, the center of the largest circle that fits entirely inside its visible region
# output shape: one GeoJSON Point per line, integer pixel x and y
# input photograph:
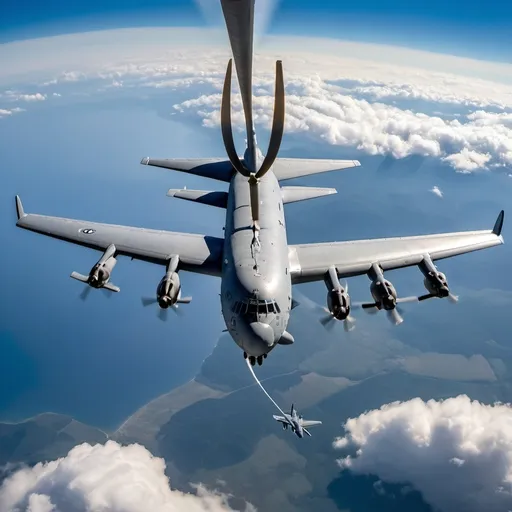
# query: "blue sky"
{"type": "Point", "coordinates": [473, 28]}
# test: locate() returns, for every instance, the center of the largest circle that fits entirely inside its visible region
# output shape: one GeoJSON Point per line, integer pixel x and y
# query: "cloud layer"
{"type": "Point", "coordinates": [456, 452]}
{"type": "Point", "coordinates": [342, 93]}
{"type": "Point", "coordinates": [110, 478]}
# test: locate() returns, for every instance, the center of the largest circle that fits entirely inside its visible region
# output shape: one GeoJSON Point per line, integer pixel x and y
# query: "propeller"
{"type": "Point", "coordinates": [163, 313]}
{"type": "Point", "coordinates": [453, 299]}
{"type": "Point", "coordinates": [84, 295]}
{"type": "Point", "coordinates": [329, 320]}
{"type": "Point", "coordinates": [394, 315]}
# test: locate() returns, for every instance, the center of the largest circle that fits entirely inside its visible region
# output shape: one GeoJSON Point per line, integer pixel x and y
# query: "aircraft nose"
{"type": "Point", "coordinates": [263, 331]}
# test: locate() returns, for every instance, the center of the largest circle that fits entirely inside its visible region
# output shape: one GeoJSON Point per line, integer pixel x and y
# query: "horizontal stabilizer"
{"type": "Point", "coordinates": [294, 194]}
{"type": "Point", "coordinates": [215, 168]}
{"type": "Point", "coordinates": [288, 168]}
{"type": "Point", "coordinates": [218, 199]}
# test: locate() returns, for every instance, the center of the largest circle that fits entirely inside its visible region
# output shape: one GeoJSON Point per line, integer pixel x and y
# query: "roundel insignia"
{"type": "Point", "coordinates": [88, 231]}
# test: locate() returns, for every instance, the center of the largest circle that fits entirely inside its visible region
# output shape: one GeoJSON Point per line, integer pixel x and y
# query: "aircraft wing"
{"type": "Point", "coordinates": [310, 423]}
{"type": "Point", "coordinates": [288, 168]}
{"type": "Point", "coordinates": [197, 253]}
{"type": "Point", "coordinates": [309, 262]}
{"type": "Point", "coordinates": [282, 419]}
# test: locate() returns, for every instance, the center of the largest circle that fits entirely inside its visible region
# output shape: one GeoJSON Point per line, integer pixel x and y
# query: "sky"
{"type": "Point", "coordinates": [436, 154]}
{"type": "Point", "coordinates": [437, 25]}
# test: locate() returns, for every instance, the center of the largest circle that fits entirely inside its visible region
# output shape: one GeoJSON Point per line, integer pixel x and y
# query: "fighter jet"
{"type": "Point", "coordinates": [296, 423]}
{"type": "Point", "coordinates": [256, 265]}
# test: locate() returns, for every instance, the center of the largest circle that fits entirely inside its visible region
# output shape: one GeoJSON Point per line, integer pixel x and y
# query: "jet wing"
{"type": "Point", "coordinates": [197, 253]}
{"type": "Point", "coordinates": [282, 419]}
{"type": "Point", "coordinates": [288, 168]}
{"type": "Point", "coordinates": [309, 262]}
{"type": "Point", "coordinates": [310, 423]}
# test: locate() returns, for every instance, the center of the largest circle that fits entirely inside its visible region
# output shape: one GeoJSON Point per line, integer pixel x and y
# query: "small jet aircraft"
{"type": "Point", "coordinates": [256, 265]}
{"type": "Point", "coordinates": [296, 423]}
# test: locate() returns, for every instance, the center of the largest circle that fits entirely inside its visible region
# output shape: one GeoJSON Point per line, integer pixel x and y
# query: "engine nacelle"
{"type": "Point", "coordinates": [436, 284]}
{"type": "Point", "coordinates": [338, 303]}
{"type": "Point", "coordinates": [383, 293]}
{"type": "Point", "coordinates": [100, 274]}
{"type": "Point", "coordinates": [168, 290]}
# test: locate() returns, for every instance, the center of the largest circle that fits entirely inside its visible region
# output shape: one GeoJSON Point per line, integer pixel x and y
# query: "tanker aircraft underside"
{"type": "Point", "coordinates": [256, 264]}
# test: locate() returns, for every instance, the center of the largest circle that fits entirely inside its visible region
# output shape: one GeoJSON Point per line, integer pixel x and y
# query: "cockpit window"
{"type": "Point", "coordinates": [254, 306]}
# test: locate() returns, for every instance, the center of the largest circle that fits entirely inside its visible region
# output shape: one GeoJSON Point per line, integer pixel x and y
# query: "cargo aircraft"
{"type": "Point", "coordinates": [256, 264]}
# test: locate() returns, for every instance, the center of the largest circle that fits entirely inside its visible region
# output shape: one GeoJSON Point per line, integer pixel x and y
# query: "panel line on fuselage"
{"type": "Point", "coordinates": [255, 274]}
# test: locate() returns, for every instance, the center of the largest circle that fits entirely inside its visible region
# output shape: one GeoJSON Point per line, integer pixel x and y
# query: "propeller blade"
{"type": "Point", "coordinates": [394, 317]}
{"type": "Point", "coordinates": [148, 301]}
{"type": "Point", "coordinates": [403, 300]}
{"type": "Point", "coordinates": [85, 293]}
{"type": "Point", "coordinates": [163, 314]}
{"type": "Point", "coordinates": [184, 300]}
{"type": "Point", "coordinates": [327, 321]}
{"type": "Point", "coordinates": [177, 310]}
{"type": "Point", "coordinates": [370, 308]}
{"type": "Point", "coordinates": [453, 298]}
{"type": "Point", "coordinates": [425, 297]}
{"type": "Point", "coordinates": [349, 324]}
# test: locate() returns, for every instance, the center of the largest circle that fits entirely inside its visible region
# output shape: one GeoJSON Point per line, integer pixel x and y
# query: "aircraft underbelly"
{"type": "Point", "coordinates": [260, 267]}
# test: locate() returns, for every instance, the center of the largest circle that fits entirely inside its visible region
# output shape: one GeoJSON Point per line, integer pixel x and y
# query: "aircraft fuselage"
{"type": "Point", "coordinates": [256, 283]}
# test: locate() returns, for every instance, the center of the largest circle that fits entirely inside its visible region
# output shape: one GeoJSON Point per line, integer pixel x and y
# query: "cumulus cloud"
{"type": "Point", "coordinates": [338, 92]}
{"type": "Point", "coordinates": [110, 478]}
{"type": "Point", "coordinates": [9, 112]}
{"type": "Point", "coordinates": [436, 191]}
{"type": "Point", "coordinates": [18, 96]}
{"type": "Point", "coordinates": [319, 109]}
{"type": "Point", "coordinates": [456, 452]}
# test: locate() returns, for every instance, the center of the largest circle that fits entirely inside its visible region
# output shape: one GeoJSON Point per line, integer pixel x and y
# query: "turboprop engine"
{"type": "Point", "coordinates": [338, 301]}
{"type": "Point", "coordinates": [168, 290]}
{"type": "Point", "coordinates": [385, 296]}
{"type": "Point", "coordinates": [101, 272]}
{"type": "Point", "coordinates": [435, 282]}
{"type": "Point", "coordinates": [383, 293]}
{"type": "Point", "coordinates": [99, 276]}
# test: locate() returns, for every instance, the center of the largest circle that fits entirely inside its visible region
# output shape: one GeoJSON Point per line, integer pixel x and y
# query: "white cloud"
{"type": "Point", "coordinates": [437, 191]}
{"type": "Point", "coordinates": [319, 109]}
{"type": "Point", "coordinates": [17, 96]}
{"type": "Point", "coordinates": [9, 112]}
{"type": "Point", "coordinates": [110, 478]}
{"type": "Point", "coordinates": [343, 93]}
{"type": "Point", "coordinates": [456, 452]}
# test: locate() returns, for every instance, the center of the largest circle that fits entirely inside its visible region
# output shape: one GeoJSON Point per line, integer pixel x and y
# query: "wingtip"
{"type": "Point", "coordinates": [498, 225]}
{"type": "Point", "coordinates": [20, 212]}
{"type": "Point", "coordinates": [145, 160]}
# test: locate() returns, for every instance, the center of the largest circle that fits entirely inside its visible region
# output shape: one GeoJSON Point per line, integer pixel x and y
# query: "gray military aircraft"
{"type": "Point", "coordinates": [296, 423]}
{"type": "Point", "coordinates": [256, 264]}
